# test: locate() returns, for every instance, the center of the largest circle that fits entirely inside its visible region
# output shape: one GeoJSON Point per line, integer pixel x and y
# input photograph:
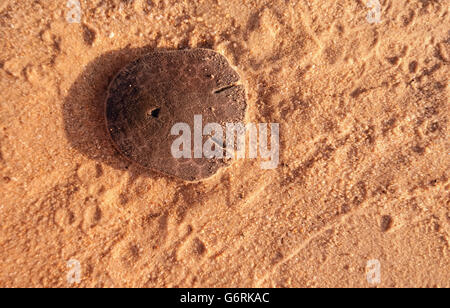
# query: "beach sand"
{"type": "Point", "coordinates": [363, 110]}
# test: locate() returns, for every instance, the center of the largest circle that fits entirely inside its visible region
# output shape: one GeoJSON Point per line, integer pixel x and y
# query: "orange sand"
{"type": "Point", "coordinates": [363, 110]}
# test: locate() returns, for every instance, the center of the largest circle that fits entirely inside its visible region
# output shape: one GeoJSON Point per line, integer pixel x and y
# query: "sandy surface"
{"type": "Point", "coordinates": [363, 110]}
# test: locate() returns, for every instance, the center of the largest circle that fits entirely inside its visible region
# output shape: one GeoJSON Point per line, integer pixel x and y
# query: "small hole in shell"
{"type": "Point", "coordinates": [155, 112]}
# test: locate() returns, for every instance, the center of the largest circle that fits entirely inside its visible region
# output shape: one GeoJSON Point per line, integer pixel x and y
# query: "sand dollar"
{"type": "Point", "coordinates": [155, 92]}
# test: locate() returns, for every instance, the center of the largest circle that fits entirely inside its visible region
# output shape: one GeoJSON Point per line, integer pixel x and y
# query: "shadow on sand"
{"type": "Point", "coordinates": [83, 111]}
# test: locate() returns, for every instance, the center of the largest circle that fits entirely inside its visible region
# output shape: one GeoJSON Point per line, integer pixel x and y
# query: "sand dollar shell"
{"type": "Point", "coordinates": [155, 92]}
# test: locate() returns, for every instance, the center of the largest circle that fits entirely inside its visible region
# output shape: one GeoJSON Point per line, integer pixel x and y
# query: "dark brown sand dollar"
{"type": "Point", "coordinates": [152, 94]}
